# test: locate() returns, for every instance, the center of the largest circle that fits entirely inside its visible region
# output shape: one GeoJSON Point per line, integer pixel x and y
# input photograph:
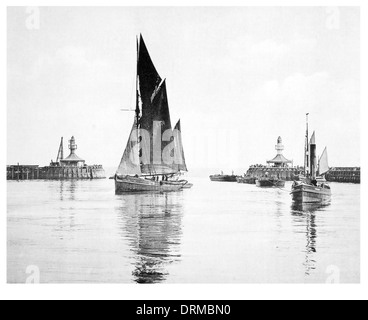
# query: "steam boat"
{"type": "Point", "coordinates": [312, 188]}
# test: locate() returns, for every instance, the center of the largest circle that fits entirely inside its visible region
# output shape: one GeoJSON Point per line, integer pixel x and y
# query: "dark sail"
{"type": "Point", "coordinates": [149, 79]}
{"type": "Point", "coordinates": [156, 121]}
{"type": "Point", "coordinates": [179, 149]}
{"type": "Point", "coordinates": [158, 110]}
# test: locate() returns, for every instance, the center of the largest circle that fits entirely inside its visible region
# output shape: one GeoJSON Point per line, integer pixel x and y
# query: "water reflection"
{"type": "Point", "coordinates": [66, 220]}
{"type": "Point", "coordinates": [305, 216]}
{"type": "Point", "coordinates": [280, 208]}
{"type": "Point", "coordinates": [61, 192]}
{"type": "Point", "coordinates": [152, 224]}
{"type": "Point", "coordinates": [303, 208]}
{"type": "Point", "coordinates": [67, 189]}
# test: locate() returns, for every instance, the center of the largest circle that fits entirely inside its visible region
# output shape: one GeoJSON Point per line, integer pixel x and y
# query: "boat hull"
{"type": "Point", "coordinates": [304, 193]}
{"type": "Point", "coordinates": [223, 178]}
{"type": "Point", "coordinates": [246, 180]}
{"type": "Point", "coordinates": [269, 183]}
{"type": "Point", "coordinates": [132, 184]}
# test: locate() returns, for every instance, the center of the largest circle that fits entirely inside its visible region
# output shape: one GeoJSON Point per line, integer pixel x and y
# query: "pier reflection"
{"type": "Point", "coordinates": [152, 224]}
{"type": "Point", "coordinates": [67, 189]}
{"type": "Point", "coordinates": [66, 220]}
{"type": "Point", "coordinates": [305, 216]}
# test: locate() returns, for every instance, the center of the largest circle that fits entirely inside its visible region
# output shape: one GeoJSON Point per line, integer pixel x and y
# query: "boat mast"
{"type": "Point", "coordinates": [137, 110]}
{"type": "Point", "coordinates": [306, 150]}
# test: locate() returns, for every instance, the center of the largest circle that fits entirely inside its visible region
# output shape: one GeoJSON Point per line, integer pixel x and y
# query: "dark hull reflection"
{"type": "Point", "coordinates": [307, 207]}
{"type": "Point", "coordinates": [305, 216]}
{"type": "Point", "coordinates": [152, 225]}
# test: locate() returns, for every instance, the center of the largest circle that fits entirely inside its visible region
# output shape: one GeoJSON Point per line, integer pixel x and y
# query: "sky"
{"type": "Point", "coordinates": [238, 78]}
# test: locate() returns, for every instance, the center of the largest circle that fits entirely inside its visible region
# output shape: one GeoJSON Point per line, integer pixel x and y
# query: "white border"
{"type": "Point", "coordinates": [112, 292]}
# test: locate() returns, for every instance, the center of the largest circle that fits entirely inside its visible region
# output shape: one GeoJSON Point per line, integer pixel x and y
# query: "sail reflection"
{"type": "Point", "coordinates": [152, 225]}
{"type": "Point", "coordinates": [305, 215]}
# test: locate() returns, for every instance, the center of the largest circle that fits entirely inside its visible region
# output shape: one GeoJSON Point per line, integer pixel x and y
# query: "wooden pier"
{"type": "Point", "coordinates": [22, 172]}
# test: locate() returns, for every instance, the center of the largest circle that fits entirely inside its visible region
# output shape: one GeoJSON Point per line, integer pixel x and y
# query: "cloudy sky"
{"type": "Point", "coordinates": [237, 77]}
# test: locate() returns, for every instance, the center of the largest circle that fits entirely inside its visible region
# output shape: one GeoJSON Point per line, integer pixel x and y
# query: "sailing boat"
{"type": "Point", "coordinates": [153, 159]}
{"type": "Point", "coordinates": [312, 189]}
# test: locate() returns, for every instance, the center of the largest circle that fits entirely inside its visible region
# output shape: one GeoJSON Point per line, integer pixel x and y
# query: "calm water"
{"type": "Point", "coordinates": [80, 231]}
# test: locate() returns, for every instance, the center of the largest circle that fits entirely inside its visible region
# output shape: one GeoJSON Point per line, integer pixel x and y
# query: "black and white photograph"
{"type": "Point", "coordinates": [183, 145]}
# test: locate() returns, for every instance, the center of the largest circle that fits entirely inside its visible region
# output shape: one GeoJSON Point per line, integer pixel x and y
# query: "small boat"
{"type": "Point", "coordinates": [246, 179]}
{"type": "Point", "coordinates": [312, 188]}
{"type": "Point", "coordinates": [223, 178]}
{"type": "Point", "coordinates": [270, 182]}
{"type": "Point", "coordinates": [153, 160]}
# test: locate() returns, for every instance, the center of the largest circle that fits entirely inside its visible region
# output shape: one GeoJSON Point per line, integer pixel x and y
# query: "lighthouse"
{"type": "Point", "coordinates": [73, 160]}
{"type": "Point", "coordinates": [279, 161]}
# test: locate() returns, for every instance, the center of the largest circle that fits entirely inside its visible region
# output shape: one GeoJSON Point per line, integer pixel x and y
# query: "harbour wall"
{"type": "Point", "coordinates": [344, 174]}
{"type": "Point", "coordinates": [54, 172]}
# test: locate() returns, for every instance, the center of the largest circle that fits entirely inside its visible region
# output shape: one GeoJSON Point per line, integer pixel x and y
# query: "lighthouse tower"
{"type": "Point", "coordinates": [279, 147]}
{"type": "Point", "coordinates": [73, 160]}
{"type": "Point", "coordinates": [72, 145]}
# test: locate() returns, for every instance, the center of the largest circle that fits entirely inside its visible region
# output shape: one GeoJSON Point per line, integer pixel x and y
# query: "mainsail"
{"type": "Point", "coordinates": [323, 163]}
{"type": "Point", "coordinates": [130, 164]}
{"type": "Point", "coordinates": [179, 149]}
